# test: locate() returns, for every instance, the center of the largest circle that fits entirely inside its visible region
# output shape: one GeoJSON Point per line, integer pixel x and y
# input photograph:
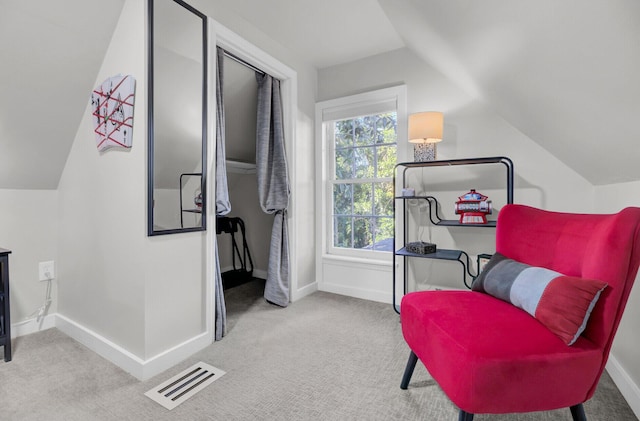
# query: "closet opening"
{"type": "Point", "coordinates": [244, 233]}
{"type": "Point", "coordinates": [252, 189]}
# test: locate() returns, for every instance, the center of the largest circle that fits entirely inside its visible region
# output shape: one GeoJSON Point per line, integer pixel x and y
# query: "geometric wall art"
{"type": "Point", "coordinates": [112, 112]}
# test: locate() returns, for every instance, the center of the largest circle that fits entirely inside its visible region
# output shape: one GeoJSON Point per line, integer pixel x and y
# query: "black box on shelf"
{"type": "Point", "coordinates": [420, 247]}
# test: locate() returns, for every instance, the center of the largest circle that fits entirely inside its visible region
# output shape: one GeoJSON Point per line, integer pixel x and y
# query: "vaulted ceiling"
{"type": "Point", "coordinates": [563, 73]}
{"type": "Point", "coordinates": [50, 54]}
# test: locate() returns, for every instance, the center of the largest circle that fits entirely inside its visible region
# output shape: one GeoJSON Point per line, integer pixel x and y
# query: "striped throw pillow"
{"type": "Point", "coordinates": [562, 303]}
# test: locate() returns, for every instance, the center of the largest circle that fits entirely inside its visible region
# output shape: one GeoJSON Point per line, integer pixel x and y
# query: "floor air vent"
{"type": "Point", "coordinates": [184, 385]}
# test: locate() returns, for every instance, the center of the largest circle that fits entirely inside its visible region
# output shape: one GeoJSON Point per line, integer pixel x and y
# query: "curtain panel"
{"type": "Point", "coordinates": [273, 185]}
{"type": "Point", "coordinates": [223, 205]}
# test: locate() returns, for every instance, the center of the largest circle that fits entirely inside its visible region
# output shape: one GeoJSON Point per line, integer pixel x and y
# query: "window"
{"type": "Point", "coordinates": [364, 155]}
{"type": "Point", "coordinates": [360, 150]}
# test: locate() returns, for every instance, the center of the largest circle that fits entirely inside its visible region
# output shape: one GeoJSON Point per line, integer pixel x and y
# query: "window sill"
{"type": "Point", "coordinates": [333, 258]}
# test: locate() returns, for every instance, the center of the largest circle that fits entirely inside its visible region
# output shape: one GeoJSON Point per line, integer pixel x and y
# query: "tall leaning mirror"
{"type": "Point", "coordinates": [177, 118]}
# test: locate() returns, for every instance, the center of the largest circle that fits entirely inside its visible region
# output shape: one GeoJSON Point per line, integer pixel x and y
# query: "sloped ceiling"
{"type": "Point", "coordinates": [50, 52]}
{"type": "Point", "coordinates": [564, 73]}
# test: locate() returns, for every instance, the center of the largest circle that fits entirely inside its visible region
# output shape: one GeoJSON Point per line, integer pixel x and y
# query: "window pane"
{"type": "Point", "coordinates": [386, 128]}
{"type": "Point", "coordinates": [362, 233]}
{"type": "Point", "coordinates": [362, 199]}
{"type": "Point", "coordinates": [342, 195]}
{"type": "Point", "coordinates": [342, 228]}
{"type": "Point", "coordinates": [386, 160]}
{"type": "Point", "coordinates": [344, 133]}
{"type": "Point", "coordinates": [384, 198]}
{"type": "Point", "coordinates": [383, 234]}
{"type": "Point", "coordinates": [365, 130]}
{"type": "Point", "coordinates": [344, 164]}
{"type": "Point", "coordinates": [364, 162]}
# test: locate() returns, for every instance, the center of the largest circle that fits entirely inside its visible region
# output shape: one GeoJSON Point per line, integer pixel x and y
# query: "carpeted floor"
{"type": "Point", "coordinates": [325, 357]}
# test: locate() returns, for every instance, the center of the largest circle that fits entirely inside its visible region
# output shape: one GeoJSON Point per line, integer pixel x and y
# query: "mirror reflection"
{"type": "Point", "coordinates": [177, 119]}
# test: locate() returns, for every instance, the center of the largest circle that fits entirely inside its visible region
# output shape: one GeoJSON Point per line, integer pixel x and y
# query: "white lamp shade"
{"type": "Point", "coordinates": [426, 127]}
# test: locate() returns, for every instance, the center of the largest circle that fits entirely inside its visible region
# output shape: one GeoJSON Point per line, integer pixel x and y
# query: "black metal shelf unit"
{"type": "Point", "coordinates": [435, 218]}
{"type": "Point", "coordinates": [5, 311]}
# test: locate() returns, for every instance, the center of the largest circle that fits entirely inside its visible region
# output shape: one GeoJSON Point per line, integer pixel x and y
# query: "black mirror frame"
{"type": "Point", "coordinates": [150, 121]}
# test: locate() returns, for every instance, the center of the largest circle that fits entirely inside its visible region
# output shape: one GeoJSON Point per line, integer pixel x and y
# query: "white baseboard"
{"type": "Point", "coordinates": [132, 364]}
{"type": "Point", "coordinates": [124, 359]}
{"type": "Point", "coordinates": [630, 391]}
{"type": "Point", "coordinates": [365, 294]}
{"type": "Point", "coordinates": [32, 326]}
{"type": "Point", "coordinates": [167, 359]}
{"type": "Point", "coordinates": [304, 291]}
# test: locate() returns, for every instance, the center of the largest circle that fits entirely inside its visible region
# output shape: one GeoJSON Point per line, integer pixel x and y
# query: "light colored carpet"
{"type": "Point", "coordinates": [325, 357]}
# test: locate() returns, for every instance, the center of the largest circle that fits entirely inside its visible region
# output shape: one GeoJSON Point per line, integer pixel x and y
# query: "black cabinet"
{"type": "Point", "coordinates": [5, 312]}
{"type": "Point", "coordinates": [400, 208]}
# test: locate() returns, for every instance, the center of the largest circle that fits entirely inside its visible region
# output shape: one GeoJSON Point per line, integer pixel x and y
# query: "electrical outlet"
{"type": "Point", "coordinates": [47, 270]}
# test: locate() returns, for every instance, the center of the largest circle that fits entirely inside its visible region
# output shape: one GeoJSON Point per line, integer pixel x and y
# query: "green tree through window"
{"type": "Point", "coordinates": [365, 155]}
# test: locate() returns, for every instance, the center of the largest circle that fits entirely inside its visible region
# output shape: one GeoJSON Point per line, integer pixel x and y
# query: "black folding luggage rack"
{"type": "Point", "coordinates": [242, 271]}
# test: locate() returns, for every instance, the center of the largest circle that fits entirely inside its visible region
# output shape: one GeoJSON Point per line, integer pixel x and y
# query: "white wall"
{"type": "Point", "coordinates": [29, 228]}
{"type": "Point", "coordinates": [624, 366]}
{"type": "Point", "coordinates": [175, 294]}
{"type": "Point", "coordinates": [134, 295]}
{"type": "Point", "coordinates": [240, 90]}
{"type": "Point", "coordinates": [121, 292]}
{"type": "Point", "coordinates": [472, 129]}
{"type": "Point", "coordinates": [103, 213]}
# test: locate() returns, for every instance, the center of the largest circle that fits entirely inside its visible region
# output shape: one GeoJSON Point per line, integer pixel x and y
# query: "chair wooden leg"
{"type": "Point", "coordinates": [465, 416]}
{"type": "Point", "coordinates": [577, 412]}
{"type": "Point", "coordinates": [408, 371]}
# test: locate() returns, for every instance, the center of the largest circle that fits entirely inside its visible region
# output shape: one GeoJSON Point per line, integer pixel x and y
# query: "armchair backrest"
{"type": "Point", "coordinates": [603, 247]}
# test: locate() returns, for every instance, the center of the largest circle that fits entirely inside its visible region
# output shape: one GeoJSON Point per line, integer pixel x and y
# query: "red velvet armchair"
{"type": "Point", "coordinates": [491, 356]}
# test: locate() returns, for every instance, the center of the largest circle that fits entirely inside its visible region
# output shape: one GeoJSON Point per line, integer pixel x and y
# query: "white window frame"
{"type": "Point", "coordinates": [378, 101]}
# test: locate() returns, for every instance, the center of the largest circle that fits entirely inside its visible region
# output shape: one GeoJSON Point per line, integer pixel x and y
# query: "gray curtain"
{"type": "Point", "coordinates": [223, 206]}
{"type": "Point", "coordinates": [273, 185]}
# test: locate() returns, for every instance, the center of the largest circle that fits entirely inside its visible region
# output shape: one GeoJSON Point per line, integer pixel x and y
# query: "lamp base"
{"type": "Point", "coordinates": [424, 152]}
